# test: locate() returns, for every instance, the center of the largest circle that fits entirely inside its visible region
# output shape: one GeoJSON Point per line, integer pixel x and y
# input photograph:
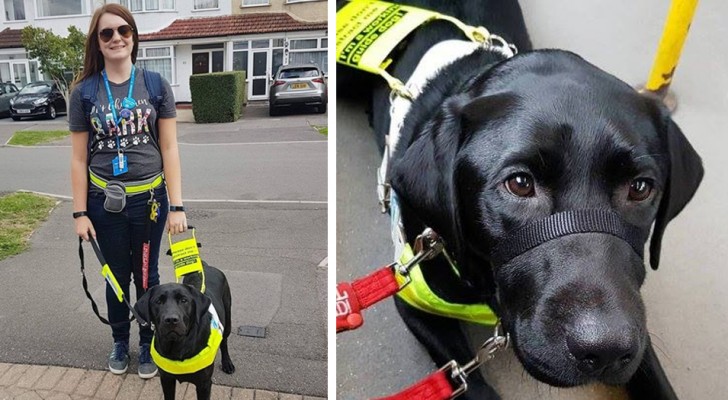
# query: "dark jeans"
{"type": "Point", "coordinates": [120, 237]}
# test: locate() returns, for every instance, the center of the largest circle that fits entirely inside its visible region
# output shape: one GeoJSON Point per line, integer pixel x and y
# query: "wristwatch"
{"type": "Point", "coordinates": [176, 208]}
{"type": "Point", "coordinates": [78, 214]}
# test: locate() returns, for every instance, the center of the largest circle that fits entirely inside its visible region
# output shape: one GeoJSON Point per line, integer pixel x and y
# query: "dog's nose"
{"type": "Point", "coordinates": [171, 320]}
{"type": "Point", "coordinates": [601, 350]}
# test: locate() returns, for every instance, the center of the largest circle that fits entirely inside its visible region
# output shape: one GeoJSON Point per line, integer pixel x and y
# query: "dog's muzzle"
{"type": "Point", "coordinates": [565, 223]}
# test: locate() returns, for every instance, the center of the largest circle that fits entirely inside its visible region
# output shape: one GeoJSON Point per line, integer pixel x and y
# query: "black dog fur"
{"type": "Point", "coordinates": [575, 137]}
{"type": "Point", "coordinates": [187, 326]}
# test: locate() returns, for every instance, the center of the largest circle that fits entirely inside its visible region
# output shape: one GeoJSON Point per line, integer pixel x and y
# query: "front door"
{"type": "Point", "coordinates": [20, 73]}
{"type": "Point", "coordinates": [15, 72]}
{"type": "Point", "coordinates": [259, 77]}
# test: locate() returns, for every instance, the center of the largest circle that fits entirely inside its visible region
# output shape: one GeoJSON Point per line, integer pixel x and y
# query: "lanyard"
{"type": "Point", "coordinates": [112, 106]}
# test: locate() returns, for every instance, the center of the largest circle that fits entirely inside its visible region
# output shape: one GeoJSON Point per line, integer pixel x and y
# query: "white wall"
{"type": "Point", "coordinates": [146, 21]}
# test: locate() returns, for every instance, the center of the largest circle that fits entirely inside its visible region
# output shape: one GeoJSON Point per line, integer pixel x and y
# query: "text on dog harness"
{"type": "Point", "coordinates": [186, 258]}
{"type": "Point", "coordinates": [367, 31]}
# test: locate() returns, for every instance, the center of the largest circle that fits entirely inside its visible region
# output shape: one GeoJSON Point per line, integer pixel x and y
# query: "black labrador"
{"type": "Point", "coordinates": [493, 145]}
{"type": "Point", "coordinates": [179, 313]}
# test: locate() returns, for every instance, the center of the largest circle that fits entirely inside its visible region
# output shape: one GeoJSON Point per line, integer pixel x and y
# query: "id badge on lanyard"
{"type": "Point", "coordinates": [119, 163]}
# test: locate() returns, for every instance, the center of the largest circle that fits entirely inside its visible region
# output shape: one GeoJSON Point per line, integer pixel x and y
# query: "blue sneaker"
{"type": "Point", "coordinates": [147, 368]}
{"type": "Point", "coordinates": [119, 358]}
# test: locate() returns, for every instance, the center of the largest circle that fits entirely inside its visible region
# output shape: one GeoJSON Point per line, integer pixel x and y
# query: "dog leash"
{"type": "Point", "coordinates": [352, 298]}
{"type": "Point", "coordinates": [111, 280]}
{"type": "Point", "coordinates": [449, 381]}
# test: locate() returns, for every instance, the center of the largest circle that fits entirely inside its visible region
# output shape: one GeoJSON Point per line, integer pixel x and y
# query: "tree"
{"type": "Point", "coordinates": [59, 57]}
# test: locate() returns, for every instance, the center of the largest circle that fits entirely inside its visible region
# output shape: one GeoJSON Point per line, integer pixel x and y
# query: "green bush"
{"type": "Point", "coordinates": [218, 97]}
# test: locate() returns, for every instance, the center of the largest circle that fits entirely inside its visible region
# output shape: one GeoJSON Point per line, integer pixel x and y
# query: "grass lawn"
{"type": "Point", "coordinates": [20, 215]}
{"type": "Point", "coordinates": [324, 130]}
{"type": "Point", "coordinates": [30, 138]}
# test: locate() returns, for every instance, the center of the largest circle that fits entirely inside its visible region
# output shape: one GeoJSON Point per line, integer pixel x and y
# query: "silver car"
{"type": "Point", "coordinates": [298, 84]}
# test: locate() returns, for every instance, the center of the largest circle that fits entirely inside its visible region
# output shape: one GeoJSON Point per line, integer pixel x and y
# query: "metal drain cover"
{"type": "Point", "coordinates": [252, 331]}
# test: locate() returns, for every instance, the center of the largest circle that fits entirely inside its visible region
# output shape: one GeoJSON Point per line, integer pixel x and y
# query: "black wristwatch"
{"type": "Point", "coordinates": [78, 214]}
{"type": "Point", "coordinates": [176, 208]}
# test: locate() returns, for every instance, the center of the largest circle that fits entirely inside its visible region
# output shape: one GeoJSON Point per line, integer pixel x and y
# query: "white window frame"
{"type": "Point", "coordinates": [15, 20]}
{"type": "Point", "coordinates": [142, 56]}
{"type": "Point", "coordinates": [204, 9]}
{"type": "Point", "coordinates": [318, 48]}
{"type": "Point", "coordinates": [126, 3]}
{"type": "Point", "coordinates": [299, 1]}
{"type": "Point", "coordinates": [89, 9]}
{"type": "Point", "coordinates": [266, 4]}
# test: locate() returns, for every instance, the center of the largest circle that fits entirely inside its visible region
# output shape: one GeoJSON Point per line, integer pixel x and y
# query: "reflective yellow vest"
{"type": "Point", "coordinates": [202, 359]}
{"type": "Point", "coordinates": [419, 295]}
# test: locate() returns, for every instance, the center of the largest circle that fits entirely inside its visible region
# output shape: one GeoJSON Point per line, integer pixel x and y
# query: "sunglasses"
{"type": "Point", "coordinates": [125, 31]}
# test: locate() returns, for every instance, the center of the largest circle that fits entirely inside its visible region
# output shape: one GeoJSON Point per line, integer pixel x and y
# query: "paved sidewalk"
{"type": "Point", "coordinates": [39, 382]}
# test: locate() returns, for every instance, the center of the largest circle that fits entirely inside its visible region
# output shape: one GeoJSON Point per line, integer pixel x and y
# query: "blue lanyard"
{"type": "Point", "coordinates": [112, 106]}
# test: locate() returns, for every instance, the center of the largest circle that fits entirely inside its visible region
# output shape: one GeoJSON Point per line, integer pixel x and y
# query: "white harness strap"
{"type": "Point", "coordinates": [436, 58]}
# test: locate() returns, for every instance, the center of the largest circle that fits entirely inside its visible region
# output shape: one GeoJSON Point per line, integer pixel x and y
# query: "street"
{"type": "Point", "coordinates": [256, 192]}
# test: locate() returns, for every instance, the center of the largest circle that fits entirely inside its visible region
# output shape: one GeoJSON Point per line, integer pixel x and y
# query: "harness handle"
{"type": "Point", "coordinates": [111, 280]}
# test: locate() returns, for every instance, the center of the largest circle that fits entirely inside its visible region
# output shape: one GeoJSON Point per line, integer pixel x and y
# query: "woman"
{"type": "Point", "coordinates": [125, 168]}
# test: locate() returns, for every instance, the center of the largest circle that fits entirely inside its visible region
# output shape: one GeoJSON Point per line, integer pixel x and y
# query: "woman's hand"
{"type": "Point", "coordinates": [176, 222]}
{"type": "Point", "coordinates": [84, 227]}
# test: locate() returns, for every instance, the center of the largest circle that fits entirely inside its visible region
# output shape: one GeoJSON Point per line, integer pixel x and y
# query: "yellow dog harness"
{"type": "Point", "coordinates": [419, 295]}
{"type": "Point", "coordinates": [201, 360]}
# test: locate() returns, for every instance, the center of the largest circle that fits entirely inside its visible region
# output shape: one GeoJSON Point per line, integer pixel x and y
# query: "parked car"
{"type": "Point", "coordinates": [38, 98]}
{"type": "Point", "coordinates": [298, 84]}
{"type": "Point", "coordinates": [7, 92]}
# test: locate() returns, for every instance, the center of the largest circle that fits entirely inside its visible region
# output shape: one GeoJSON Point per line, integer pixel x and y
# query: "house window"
{"type": "Point", "coordinates": [298, 1]}
{"type": "Point", "coordinates": [148, 5]}
{"type": "Point", "coordinates": [157, 59]}
{"type": "Point", "coordinates": [14, 10]}
{"type": "Point", "coordinates": [309, 51]}
{"type": "Point", "coordinates": [206, 4]}
{"type": "Point", "coordinates": [54, 8]}
{"type": "Point", "coordinates": [249, 3]}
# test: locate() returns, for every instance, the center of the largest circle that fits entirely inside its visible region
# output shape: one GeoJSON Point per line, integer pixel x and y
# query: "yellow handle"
{"type": "Point", "coordinates": [673, 37]}
{"type": "Point", "coordinates": [111, 279]}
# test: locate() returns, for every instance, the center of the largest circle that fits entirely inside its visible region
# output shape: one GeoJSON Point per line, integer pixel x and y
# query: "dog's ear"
{"type": "Point", "coordinates": [143, 307]}
{"type": "Point", "coordinates": [201, 302]}
{"type": "Point", "coordinates": [686, 172]}
{"type": "Point", "coordinates": [424, 175]}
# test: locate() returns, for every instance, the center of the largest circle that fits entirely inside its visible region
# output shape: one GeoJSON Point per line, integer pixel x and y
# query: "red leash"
{"type": "Point", "coordinates": [435, 387]}
{"type": "Point", "coordinates": [360, 294]}
{"type": "Point", "coordinates": [352, 298]}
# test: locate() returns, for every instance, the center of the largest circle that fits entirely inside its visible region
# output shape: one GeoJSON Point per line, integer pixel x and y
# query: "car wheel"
{"type": "Point", "coordinates": [322, 108]}
{"type": "Point", "coordinates": [272, 111]}
{"type": "Point", "coordinates": [51, 114]}
{"type": "Point", "coordinates": [16, 118]}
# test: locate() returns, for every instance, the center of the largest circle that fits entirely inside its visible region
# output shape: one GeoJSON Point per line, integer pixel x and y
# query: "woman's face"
{"type": "Point", "coordinates": [118, 48]}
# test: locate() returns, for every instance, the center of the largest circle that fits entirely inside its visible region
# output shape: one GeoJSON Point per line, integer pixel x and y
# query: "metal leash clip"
{"type": "Point", "coordinates": [428, 244]}
{"type": "Point", "coordinates": [495, 343]}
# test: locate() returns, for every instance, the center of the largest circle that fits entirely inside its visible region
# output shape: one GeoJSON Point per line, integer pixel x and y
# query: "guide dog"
{"type": "Point", "coordinates": [493, 146]}
{"type": "Point", "coordinates": [182, 323]}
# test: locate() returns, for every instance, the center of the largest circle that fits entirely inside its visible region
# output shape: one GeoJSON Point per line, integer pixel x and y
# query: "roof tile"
{"type": "Point", "coordinates": [231, 25]}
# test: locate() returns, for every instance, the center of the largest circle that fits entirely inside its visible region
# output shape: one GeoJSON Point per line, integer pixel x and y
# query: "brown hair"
{"type": "Point", "coordinates": [94, 62]}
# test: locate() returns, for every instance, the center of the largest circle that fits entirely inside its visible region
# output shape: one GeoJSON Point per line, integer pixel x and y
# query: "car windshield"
{"type": "Point", "coordinates": [299, 73]}
{"type": "Point", "coordinates": [35, 88]}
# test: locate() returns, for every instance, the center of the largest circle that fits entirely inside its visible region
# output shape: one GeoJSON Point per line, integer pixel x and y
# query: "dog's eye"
{"type": "Point", "coordinates": [183, 300]}
{"type": "Point", "coordinates": [640, 189]}
{"type": "Point", "coordinates": [521, 185]}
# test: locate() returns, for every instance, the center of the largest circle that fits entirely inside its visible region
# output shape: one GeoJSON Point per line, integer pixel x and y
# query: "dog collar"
{"type": "Point", "coordinates": [418, 294]}
{"type": "Point", "coordinates": [201, 360]}
{"type": "Point", "coordinates": [415, 290]}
